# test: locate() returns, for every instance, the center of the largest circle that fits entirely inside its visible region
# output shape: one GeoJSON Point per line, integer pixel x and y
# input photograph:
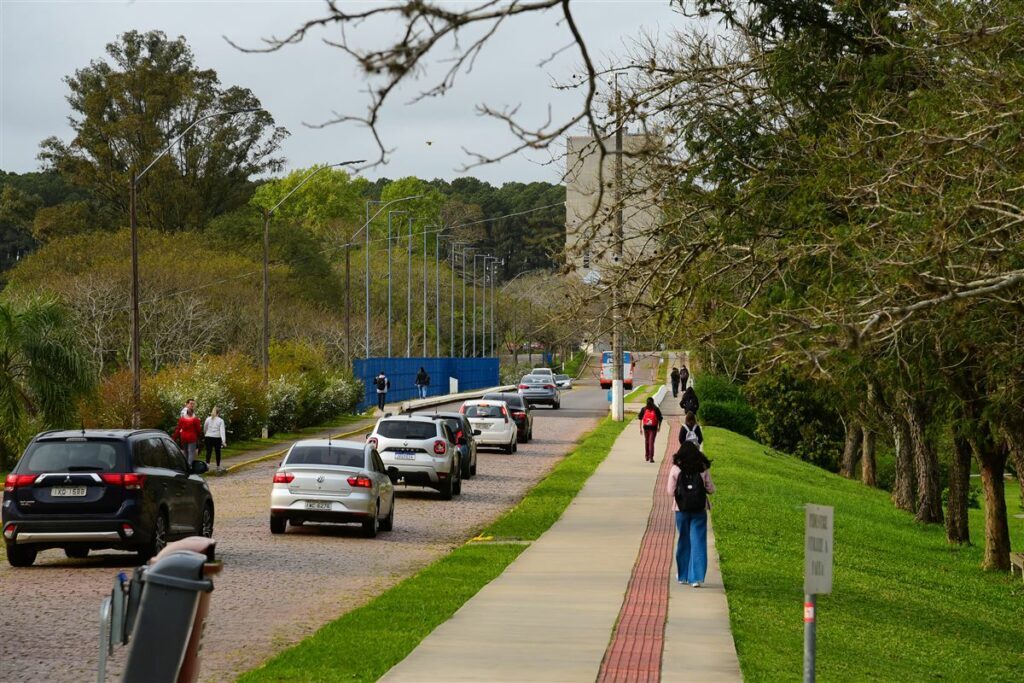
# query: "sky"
{"type": "Point", "coordinates": [43, 41]}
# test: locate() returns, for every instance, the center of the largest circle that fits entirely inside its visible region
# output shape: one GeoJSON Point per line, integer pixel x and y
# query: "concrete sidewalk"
{"type": "Point", "coordinates": [552, 614]}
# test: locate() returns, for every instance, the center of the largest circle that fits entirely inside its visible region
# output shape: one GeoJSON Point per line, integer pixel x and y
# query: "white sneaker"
{"type": "Point", "coordinates": [695, 584]}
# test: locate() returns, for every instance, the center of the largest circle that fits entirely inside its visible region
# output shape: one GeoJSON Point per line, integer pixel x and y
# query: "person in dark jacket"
{"type": "Point", "coordinates": [684, 377]}
{"type": "Point", "coordinates": [690, 431]}
{"type": "Point", "coordinates": [689, 401]}
{"type": "Point", "coordinates": [422, 382]}
{"type": "Point", "coordinates": [675, 382]}
{"type": "Point", "coordinates": [382, 384]}
{"type": "Point", "coordinates": [650, 423]}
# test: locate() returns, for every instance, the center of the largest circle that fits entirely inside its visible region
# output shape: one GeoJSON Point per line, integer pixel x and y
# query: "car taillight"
{"type": "Point", "coordinates": [549, 386]}
{"type": "Point", "coordinates": [524, 386]}
{"type": "Point", "coordinates": [372, 440]}
{"type": "Point", "coordinates": [518, 413]}
{"type": "Point", "coordinates": [13, 481]}
{"type": "Point", "coordinates": [462, 409]}
{"type": "Point", "coordinates": [504, 414]}
{"type": "Point", "coordinates": [360, 482]}
{"type": "Point", "coordinates": [9, 530]}
{"type": "Point", "coordinates": [130, 481]}
{"type": "Point", "coordinates": [283, 477]}
{"type": "Point", "coordinates": [127, 529]}
{"type": "Point", "coordinates": [440, 448]}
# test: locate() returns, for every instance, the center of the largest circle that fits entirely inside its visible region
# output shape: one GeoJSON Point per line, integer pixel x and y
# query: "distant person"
{"type": "Point", "coordinates": [675, 382]}
{"type": "Point", "coordinates": [214, 434]}
{"type": "Point", "coordinates": [422, 382]}
{"type": "Point", "coordinates": [189, 405]}
{"type": "Point", "coordinates": [689, 484]}
{"type": "Point", "coordinates": [187, 434]}
{"type": "Point", "coordinates": [689, 401]}
{"type": "Point", "coordinates": [684, 377]}
{"type": "Point", "coordinates": [690, 431]}
{"type": "Point", "coordinates": [382, 383]}
{"type": "Point", "coordinates": [650, 424]}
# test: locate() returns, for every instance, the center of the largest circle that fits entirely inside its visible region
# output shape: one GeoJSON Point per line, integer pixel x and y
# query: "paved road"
{"type": "Point", "coordinates": [275, 590]}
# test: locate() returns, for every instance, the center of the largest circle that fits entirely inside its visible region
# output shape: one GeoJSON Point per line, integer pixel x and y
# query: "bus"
{"type": "Point", "coordinates": [608, 369]}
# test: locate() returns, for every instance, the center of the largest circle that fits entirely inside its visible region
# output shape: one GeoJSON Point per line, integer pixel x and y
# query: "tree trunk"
{"type": "Point", "coordinates": [926, 466]}
{"type": "Point", "coordinates": [851, 449]}
{"type": "Point", "coordinates": [867, 459]}
{"type": "Point", "coordinates": [1015, 441]}
{"type": "Point", "coordinates": [992, 462]}
{"type": "Point", "coordinates": [957, 529]}
{"type": "Point", "coordinates": [903, 480]}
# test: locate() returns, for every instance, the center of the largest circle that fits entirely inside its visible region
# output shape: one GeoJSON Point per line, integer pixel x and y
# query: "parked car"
{"type": "Point", "coordinates": [520, 411]}
{"type": "Point", "coordinates": [339, 482]}
{"type": "Point", "coordinates": [493, 424]}
{"type": "Point", "coordinates": [89, 489]}
{"type": "Point", "coordinates": [563, 381]}
{"type": "Point", "coordinates": [422, 450]}
{"type": "Point", "coordinates": [465, 439]}
{"type": "Point", "coordinates": [540, 390]}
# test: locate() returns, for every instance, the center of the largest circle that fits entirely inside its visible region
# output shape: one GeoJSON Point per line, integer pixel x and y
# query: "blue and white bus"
{"type": "Point", "coordinates": [608, 369]}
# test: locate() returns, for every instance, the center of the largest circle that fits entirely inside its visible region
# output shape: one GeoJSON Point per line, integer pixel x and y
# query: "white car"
{"type": "Point", "coordinates": [494, 424]}
{"type": "Point", "coordinates": [422, 451]}
{"type": "Point", "coordinates": [563, 381]}
{"type": "Point", "coordinates": [332, 481]}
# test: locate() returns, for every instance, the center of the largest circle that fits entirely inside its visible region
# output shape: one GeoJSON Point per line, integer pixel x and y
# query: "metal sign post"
{"type": "Point", "coordinates": [817, 575]}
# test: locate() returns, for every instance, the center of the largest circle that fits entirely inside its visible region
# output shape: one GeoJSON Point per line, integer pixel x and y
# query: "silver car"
{"type": "Point", "coordinates": [563, 381]}
{"type": "Point", "coordinates": [333, 481]}
{"type": "Point", "coordinates": [421, 450]}
{"type": "Point", "coordinates": [540, 389]}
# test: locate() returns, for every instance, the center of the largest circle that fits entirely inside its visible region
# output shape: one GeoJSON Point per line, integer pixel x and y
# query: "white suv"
{"type": "Point", "coordinates": [422, 450]}
{"type": "Point", "coordinates": [492, 424]}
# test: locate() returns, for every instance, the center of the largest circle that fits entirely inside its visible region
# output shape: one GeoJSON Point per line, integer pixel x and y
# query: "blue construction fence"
{"type": "Point", "coordinates": [472, 373]}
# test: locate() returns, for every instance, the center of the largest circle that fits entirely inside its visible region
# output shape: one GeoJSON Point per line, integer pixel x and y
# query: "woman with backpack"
{"type": "Point", "coordinates": [690, 431]}
{"type": "Point", "coordinates": [689, 401]}
{"type": "Point", "coordinates": [689, 484]}
{"type": "Point", "coordinates": [650, 423]}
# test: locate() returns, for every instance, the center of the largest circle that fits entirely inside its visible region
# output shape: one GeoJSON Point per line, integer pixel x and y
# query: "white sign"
{"type": "Point", "coordinates": [818, 550]}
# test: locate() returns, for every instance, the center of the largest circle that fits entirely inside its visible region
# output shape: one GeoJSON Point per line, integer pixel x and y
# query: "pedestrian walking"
{"type": "Point", "coordinates": [675, 382]}
{"type": "Point", "coordinates": [650, 424]}
{"type": "Point", "coordinates": [214, 434]}
{"type": "Point", "coordinates": [382, 383]}
{"type": "Point", "coordinates": [190, 404]}
{"type": "Point", "coordinates": [689, 484]}
{"type": "Point", "coordinates": [689, 401]}
{"type": "Point", "coordinates": [187, 434]}
{"type": "Point", "coordinates": [690, 431]}
{"type": "Point", "coordinates": [684, 377]}
{"type": "Point", "coordinates": [422, 382]}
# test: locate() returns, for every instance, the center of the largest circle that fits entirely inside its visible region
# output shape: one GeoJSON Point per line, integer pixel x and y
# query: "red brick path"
{"type": "Point", "coordinates": [634, 654]}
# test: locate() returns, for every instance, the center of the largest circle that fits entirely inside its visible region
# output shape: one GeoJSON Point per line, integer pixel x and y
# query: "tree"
{"type": "Point", "coordinates": [126, 110]}
{"type": "Point", "coordinates": [43, 370]}
{"type": "Point", "coordinates": [16, 211]}
{"type": "Point", "coordinates": [330, 204]}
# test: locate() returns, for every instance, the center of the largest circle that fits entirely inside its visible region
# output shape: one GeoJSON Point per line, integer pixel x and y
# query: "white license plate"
{"type": "Point", "coordinates": [317, 505]}
{"type": "Point", "coordinates": [405, 456]}
{"type": "Point", "coordinates": [67, 491]}
{"type": "Point", "coordinates": [484, 425]}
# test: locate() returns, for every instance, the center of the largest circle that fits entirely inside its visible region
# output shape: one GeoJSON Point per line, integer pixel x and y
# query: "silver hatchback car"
{"type": "Point", "coordinates": [333, 481]}
{"type": "Point", "coordinates": [540, 389]}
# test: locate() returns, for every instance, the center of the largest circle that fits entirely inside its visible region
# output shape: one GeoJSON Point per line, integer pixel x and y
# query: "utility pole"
{"type": "Point", "coordinates": [425, 291]}
{"type": "Point", "coordinates": [463, 270]}
{"type": "Point", "coordinates": [408, 295]}
{"type": "Point", "coordinates": [437, 295]}
{"type": "Point", "coordinates": [451, 329]}
{"type": "Point", "coordinates": [265, 345]}
{"type": "Point", "coordinates": [136, 341]}
{"type": "Point", "coordinates": [618, 407]}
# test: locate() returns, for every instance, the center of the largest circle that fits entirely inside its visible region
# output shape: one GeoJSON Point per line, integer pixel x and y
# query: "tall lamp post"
{"type": "Point", "coordinates": [132, 219]}
{"type": "Point", "coordinates": [490, 271]}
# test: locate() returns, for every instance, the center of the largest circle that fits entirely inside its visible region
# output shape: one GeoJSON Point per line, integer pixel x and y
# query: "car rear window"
{"type": "Point", "coordinates": [407, 429]}
{"type": "Point", "coordinates": [326, 455]}
{"type": "Point", "coordinates": [513, 400]}
{"type": "Point", "coordinates": [483, 411]}
{"type": "Point", "coordinates": [561, 378]}
{"type": "Point", "coordinates": [73, 456]}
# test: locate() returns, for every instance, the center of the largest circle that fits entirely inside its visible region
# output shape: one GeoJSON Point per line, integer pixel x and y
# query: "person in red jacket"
{"type": "Point", "coordinates": [187, 434]}
{"type": "Point", "coordinates": [650, 424]}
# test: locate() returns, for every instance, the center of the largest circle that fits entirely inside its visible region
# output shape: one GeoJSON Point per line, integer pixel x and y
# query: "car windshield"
{"type": "Point", "coordinates": [483, 411]}
{"type": "Point", "coordinates": [326, 455]}
{"type": "Point", "coordinates": [407, 429]}
{"type": "Point", "coordinates": [72, 456]}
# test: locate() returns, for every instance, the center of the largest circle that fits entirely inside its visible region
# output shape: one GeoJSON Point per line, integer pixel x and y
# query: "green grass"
{"type": "Point", "coordinates": [905, 606]}
{"type": "Point", "coordinates": [244, 447]}
{"type": "Point", "coordinates": [365, 643]}
{"type": "Point", "coordinates": [572, 366]}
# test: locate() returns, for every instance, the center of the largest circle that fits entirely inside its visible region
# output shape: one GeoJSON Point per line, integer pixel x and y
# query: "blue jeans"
{"type": "Point", "coordinates": [692, 551]}
{"type": "Point", "coordinates": [422, 390]}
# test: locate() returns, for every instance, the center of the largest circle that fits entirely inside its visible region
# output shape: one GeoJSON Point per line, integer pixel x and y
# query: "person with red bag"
{"type": "Point", "coordinates": [187, 434]}
{"type": "Point", "coordinates": [650, 424]}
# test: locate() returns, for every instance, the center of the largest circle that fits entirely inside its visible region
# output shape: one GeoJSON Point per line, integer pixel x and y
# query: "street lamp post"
{"type": "Point", "coordinates": [133, 223]}
{"type": "Point", "coordinates": [408, 296]}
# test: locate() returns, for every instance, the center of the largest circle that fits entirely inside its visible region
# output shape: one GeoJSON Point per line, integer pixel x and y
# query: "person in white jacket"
{"type": "Point", "coordinates": [214, 434]}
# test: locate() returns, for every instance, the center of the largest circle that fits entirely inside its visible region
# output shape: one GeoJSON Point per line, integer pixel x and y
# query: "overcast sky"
{"type": "Point", "coordinates": [41, 42]}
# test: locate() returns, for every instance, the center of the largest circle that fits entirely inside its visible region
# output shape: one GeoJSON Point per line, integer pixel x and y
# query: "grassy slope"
{"type": "Point", "coordinates": [364, 643]}
{"type": "Point", "coordinates": [905, 606]}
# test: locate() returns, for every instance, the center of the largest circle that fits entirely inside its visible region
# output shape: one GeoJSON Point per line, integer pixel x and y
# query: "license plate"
{"type": "Point", "coordinates": [317, 505]}
{"type": "Point", "coordinates": [402, 455]}
{"type": "Point", "coordinates": [485, 425]}
{"type": "Point", "coordinates": [67, 491]}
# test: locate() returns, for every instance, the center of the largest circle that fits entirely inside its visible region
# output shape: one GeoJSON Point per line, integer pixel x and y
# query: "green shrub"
{"type": "Point", "coordinates": [718, 388]}
{"type": "Point", "coordinates": [736, 416]}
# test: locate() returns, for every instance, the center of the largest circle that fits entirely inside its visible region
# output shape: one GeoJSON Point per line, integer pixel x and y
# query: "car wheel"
{"type": "Point", "coordinates": [159, 541]}
{"type": "Point", "coordinates": [76, 553]}
{"type": "Point", "coordinates": [21, 555]}
{"type": "Point", "coordinates": [558, 404]}
{"type": "Point", "coordinates": [388, 523]}
{"type": "Point", "coordinates": [372, 525]}
{"type": "Point", "coordinates": [446, 489]}
{"type": "Point", "coordinates": [522, 438]}
{"type": "Point", "coordinates": [472, 470]}
{"type": "Point", "coordinates": [515, 446]}
{"type": "Point", "coordinates": [467, 471]}
{"type": "Point", "coordinates": [457, 486]}
{"type": "Point", "coordinates": [277, 524]}
{"type": "Point", "coordinates": [206, 524]}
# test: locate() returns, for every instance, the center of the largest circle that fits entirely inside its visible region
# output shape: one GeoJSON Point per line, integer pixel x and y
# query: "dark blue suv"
{"type": "Point", "coordinates": [90, 489]}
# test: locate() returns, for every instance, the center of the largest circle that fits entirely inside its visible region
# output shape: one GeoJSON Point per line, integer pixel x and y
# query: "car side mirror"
{"type": "Point", "coordinates": [393, 474]}
{"type": "Point", "coordinates": [199, 467]}
{"type": "Point", "coordinates": [476, 432]}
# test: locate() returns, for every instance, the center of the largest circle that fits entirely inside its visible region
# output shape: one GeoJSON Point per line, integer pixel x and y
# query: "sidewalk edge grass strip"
{"type": "Point", "coordinates": [365, 643]}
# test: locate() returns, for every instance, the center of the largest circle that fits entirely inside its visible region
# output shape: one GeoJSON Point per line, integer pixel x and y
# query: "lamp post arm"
{"type": "Point", "coordinates": [308, 177]}
{"type": "Point", "coordinates": [180, 135]}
